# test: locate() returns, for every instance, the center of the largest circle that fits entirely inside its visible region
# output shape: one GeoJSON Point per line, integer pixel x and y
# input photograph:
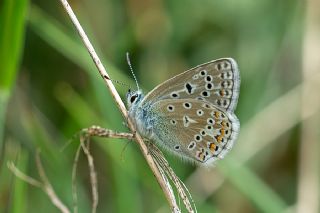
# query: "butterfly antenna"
{"type": "Point", "coordinates": [120, 83]}
{"type": "Point", "coordinates": [117, 82]}
{"type": "Point", "coordinates": [134, 76]}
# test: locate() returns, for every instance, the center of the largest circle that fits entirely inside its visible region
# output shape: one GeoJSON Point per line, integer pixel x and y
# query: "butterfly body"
{"type": "Point", "coordinates": [192, 114]}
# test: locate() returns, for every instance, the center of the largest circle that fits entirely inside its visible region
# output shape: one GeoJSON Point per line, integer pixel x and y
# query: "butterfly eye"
{"type": "Point", "coordinates": [133, 98]}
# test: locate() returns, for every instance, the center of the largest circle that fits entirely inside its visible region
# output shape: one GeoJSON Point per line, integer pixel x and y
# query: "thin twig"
{"type": "Point", "coordinates": [119, 103]}
{"type": "Point", "coordinates": [44, 184]}
{"type": "Point", "coordinates": [106, 133]}
{"type": "Point", "coordinates": [93, 174]}
{"type": "Point", "coordinates": [47, 186]}
{"type": "Point", "coordinates": [161, 162]}
{"type": "Point", "coordinates": [74, 184]}
{"type": "Point", "coordinates": [85, 135]}
{"type": "Point", "coordinates": [22, 176]}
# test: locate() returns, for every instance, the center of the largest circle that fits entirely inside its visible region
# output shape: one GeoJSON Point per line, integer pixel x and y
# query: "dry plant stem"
{"type": "Point", "coordinates": [43, 184]}
{"type": "Point", "coordinates": [74, 185]}
{"type": "Point", "coordinates": [93, 175]}
{"type": "Point", "coordinates": [22, 176]}
{"type": "Point", "coordinates": [160, 160]}
{"type": "Point", "coordinates": [118, 101]}
{"type": "Point", "coordinates": [48, 188]}
{"type": "Point", "coordinates": [84, 144]}
{"type": "Point", "coordinates": [106, 133]}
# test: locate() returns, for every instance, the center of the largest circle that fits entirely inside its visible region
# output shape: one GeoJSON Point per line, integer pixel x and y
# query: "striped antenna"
{"type": "Point", "coordinates": [134, 76]}
{"type": "Point", "coordinates": [116, 81]}
{"type": "Point", "coordinates": [119, 82]}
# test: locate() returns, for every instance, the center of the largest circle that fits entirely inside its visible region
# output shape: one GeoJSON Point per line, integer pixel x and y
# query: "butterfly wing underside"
{"type": "Point", "coordinates": [216, 82]}
{"type": "Point", "coordinates": [195, 129]}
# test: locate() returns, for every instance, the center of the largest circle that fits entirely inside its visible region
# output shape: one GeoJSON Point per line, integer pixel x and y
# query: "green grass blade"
{"type": "Point", "coordinates": [12, 32]}
{"type": "Point", "coordinates": [68, 44]}
{"type": "Point", "coordinates": [19, 190]}
{"type": "Point", "coordinates": [252, 186]}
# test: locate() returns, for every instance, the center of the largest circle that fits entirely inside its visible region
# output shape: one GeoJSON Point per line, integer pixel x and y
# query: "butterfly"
{"type": "Point", "coordinates": [192, 114]}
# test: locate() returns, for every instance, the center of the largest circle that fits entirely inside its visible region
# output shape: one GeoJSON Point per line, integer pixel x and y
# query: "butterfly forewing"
{"type": "Point", "coordinates": [194, 129]}
{"type": "Point", "coordinates": [216, 82]}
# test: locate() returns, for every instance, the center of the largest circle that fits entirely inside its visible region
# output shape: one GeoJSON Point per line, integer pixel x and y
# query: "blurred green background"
{"type": "Point", "coordinates": [50, 89]}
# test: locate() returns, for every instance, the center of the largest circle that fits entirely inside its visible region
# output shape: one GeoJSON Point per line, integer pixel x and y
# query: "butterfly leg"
{"type": "Point", "coordinates": [126, 125]}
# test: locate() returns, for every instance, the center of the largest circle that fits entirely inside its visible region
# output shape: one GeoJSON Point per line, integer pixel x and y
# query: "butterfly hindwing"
{"type": "Point", "coordinates": [216, 82]}
{"type": "Point", "coordinates": [195, 129]}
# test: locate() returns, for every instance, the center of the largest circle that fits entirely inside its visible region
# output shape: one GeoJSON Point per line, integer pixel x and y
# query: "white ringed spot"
{"type": "Point", "coordinates": [170, 108]}
{"type": "Point", "coordinates": [203, 72]}
{"type": "Point", "coordinates": [187, 105]}
{"type": "Point", "coordinates": [200, 112]}
{"type": "Point", "coordinates": [197, 137]}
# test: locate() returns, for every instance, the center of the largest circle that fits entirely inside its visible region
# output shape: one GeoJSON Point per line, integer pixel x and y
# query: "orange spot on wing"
{"type": "Point", "coordinates": [223, 132]}
{"type": "Point", "coordinates": [216, 114]}
{"type": "Point", "coordinates": [212, 147]}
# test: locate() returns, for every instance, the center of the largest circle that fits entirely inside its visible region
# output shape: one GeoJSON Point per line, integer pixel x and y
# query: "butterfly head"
{"type": "Point", "coordinates": [134, 98]}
